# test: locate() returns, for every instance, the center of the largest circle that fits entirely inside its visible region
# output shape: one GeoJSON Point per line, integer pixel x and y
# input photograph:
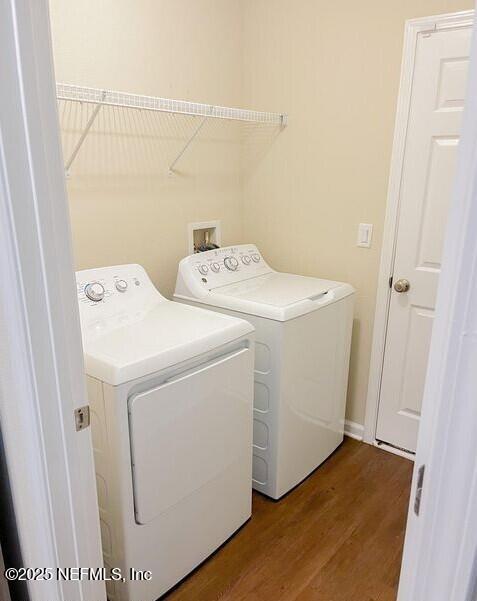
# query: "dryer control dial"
{"type": "Point", "coordinates": [256, 257]}
{"type": "Point", "coordinates": [203, 269]}
{"type": "Point", "coordinates": [215, 267]}
{"type": "Point", "coordinates": [246, 260]}
{"type": "Point", "coordinates": [94, 291]}
{"type": "Point", "coordinates": [231, 263]}
{"type": "Point", "coordinates": [121, 285]}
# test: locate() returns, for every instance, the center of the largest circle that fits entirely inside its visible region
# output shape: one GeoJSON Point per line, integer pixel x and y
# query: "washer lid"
{"type": "Point", "coordinates": [239, 279]}
{"type": "Point", "coordinates": [166, 335]}
{"type": "Point", "coordinates": [279, 296]}
{"type": "Point", "coordinates": [278, 289]}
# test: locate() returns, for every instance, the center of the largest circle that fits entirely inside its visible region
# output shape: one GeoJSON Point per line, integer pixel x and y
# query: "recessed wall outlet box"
{"type": "Point", "coordinates": [365, 234]}
{"type": "Point", "coordinates": [201, 233]}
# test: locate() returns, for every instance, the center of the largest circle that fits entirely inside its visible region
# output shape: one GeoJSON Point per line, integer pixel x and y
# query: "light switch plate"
{"type": "Point", "coordinates": [365, 235]}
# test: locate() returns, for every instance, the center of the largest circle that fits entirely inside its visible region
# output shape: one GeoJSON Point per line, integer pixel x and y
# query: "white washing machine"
{"type": "Point", "coordinates": [303, 335]}
{"type": "Point", "coordinates": [170, 389]}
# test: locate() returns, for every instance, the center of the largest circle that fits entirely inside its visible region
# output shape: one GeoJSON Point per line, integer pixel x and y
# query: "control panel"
{"type": "Point", "coordinates": [123, 292]}
{"type": "Point", "coordinates": [226, 265]}
{"type": "Point", "coordinates": [104, 285]}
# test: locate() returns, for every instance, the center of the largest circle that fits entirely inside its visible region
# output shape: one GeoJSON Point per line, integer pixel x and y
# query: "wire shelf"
{"type": "Point", "coordinates": [151, 103]}
{"type": "Point", "coordinates": [99, 98]}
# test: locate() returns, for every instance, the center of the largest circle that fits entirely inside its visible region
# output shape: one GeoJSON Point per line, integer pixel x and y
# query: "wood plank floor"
{"type": "Point", "coordinates": [337, 537]}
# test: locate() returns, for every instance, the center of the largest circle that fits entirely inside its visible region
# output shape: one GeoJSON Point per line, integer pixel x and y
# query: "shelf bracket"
{"type": "Point", "coordinates": [82, 138]}
{"type": "Point", "coordinates": [188, 143]}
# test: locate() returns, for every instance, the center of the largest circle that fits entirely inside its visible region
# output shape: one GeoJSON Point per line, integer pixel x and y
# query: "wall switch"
{"type": "Point", "coordinates": [365, 234]}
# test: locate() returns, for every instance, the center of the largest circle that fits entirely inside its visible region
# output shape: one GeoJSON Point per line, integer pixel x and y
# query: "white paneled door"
{"type": "Point", "coordinates": [432, 136]}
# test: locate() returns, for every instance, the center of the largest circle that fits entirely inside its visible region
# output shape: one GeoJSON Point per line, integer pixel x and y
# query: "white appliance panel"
{"type": "Point", "coordinates": [223, 266]}
{"type": "Point", "coordinates": [182, 435]}
{"type": "Point", "coordinates": [316, 350]}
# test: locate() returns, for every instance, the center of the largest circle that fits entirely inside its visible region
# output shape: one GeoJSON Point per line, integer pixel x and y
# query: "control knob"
{"type": "Point", "coordinates": [231, 263]}
{"type": "Point", "coordinates": [121, 285]}
{"type": "Point", "coordinates": [246, 260]}
{"type": "Point", "coordinates": [255, 258]}
{"type": "Point", "coordinates": [215, 267]}
{"type": "Point", "coordinates": [94, 291]}
{"type": "Point", "coordinates": [203, 269]}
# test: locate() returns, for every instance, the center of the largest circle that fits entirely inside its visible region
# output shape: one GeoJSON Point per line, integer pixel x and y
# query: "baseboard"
{"type": "Point", "coordinates": [353, 430]}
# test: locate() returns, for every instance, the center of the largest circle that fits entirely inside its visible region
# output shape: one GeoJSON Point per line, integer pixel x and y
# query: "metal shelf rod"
{"type": "Point", "coordinates": [82, 138]}
{"type": "Point", "coordinates": [187, 144]}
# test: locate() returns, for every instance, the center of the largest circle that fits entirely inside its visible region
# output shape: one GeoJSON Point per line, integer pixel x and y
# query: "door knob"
{"type": "Point", "coordinates": [402, 285]}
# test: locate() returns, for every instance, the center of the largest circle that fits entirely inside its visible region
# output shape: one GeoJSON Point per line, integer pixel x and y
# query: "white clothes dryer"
{"type": "Point", "coordinates": [303, 335]}
{"type": "Point", "coordinates": [170, 389]}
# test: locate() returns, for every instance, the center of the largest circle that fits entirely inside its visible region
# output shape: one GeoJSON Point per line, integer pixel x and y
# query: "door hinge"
{"type": "Point", "coordinates": [429, 32]}
{"type": "Point", "coordinates": [420, 482]}
{"type": "Point", "coordinates": [390, 281]}
{"type": "Point", "coordinates": [82, 417]}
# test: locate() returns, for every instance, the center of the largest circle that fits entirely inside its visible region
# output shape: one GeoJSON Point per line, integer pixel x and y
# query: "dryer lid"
{"type": "Point", "coordinates": [167, 335]}
{"type": "Point", "coordinates": [133, 331]}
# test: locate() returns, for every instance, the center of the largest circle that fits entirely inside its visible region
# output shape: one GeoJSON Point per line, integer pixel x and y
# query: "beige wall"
{"type": "Point", "coordinates": [334, 67]}
{"type": "Point", "coordinates": [124, 206]}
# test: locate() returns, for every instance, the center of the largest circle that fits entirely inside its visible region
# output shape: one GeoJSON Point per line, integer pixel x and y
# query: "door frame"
{"type": "Point", "coordinates": [50, 465]}
{"type": "Point", "coordinates": [413, 28]}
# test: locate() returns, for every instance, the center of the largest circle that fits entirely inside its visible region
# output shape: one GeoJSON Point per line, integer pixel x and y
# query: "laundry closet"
{"type": "Point", "coordinates": [239, 171]}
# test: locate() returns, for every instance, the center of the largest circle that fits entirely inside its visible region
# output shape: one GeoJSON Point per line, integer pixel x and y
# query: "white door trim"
{"type": "Point", "coordinates": [50, 465]}
{"type": "Point", "coordinates": [412, 29]}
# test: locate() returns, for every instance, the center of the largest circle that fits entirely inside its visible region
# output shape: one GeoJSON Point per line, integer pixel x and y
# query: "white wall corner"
{"type": "Point", "coordinates": [353, 430]}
